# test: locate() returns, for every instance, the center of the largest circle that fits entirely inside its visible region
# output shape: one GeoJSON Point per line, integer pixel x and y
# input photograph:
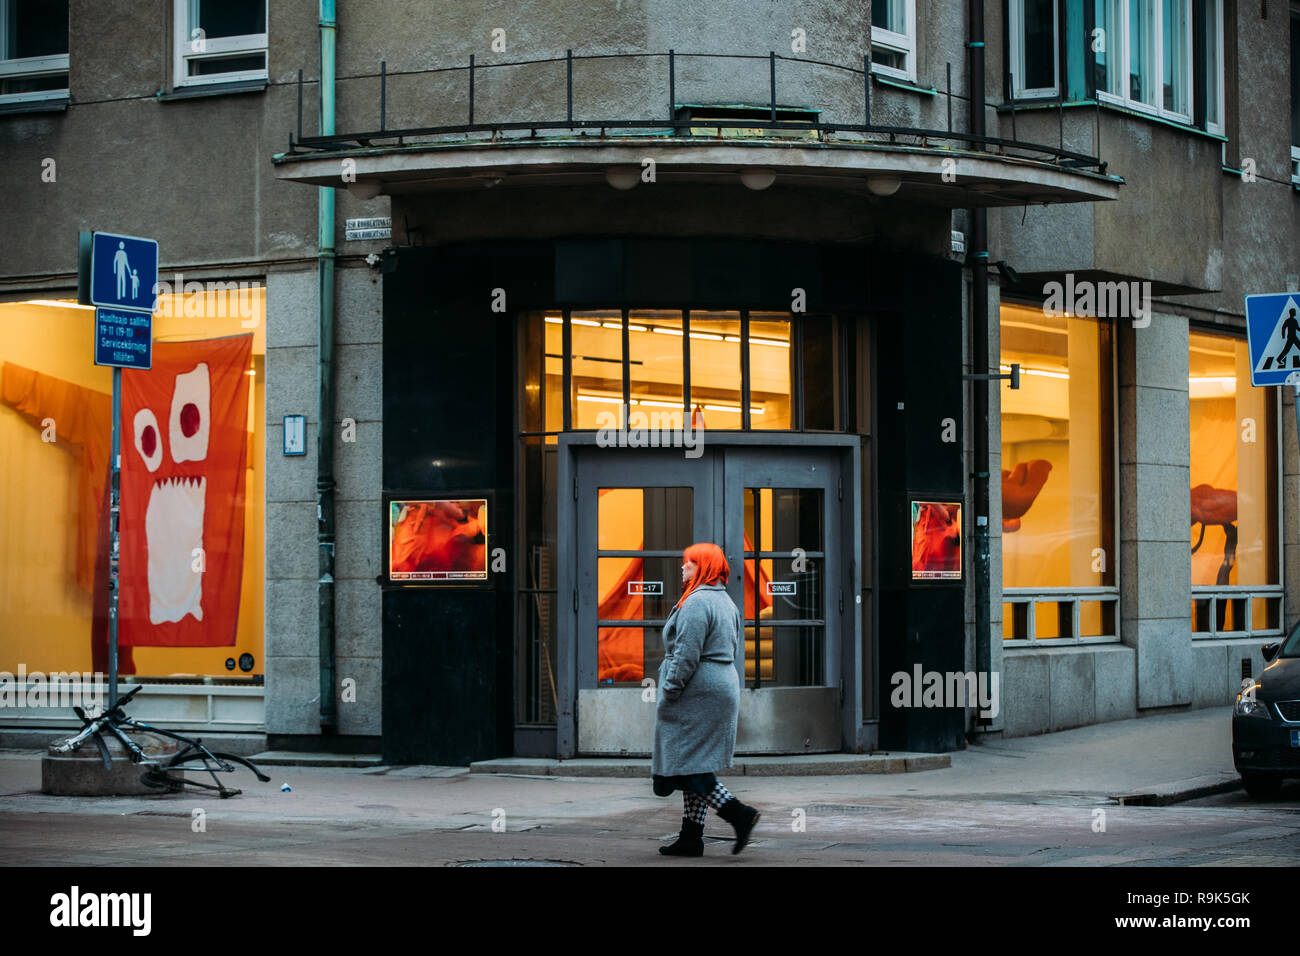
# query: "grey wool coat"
{"type": "Point", "coordinates": [699, 691]}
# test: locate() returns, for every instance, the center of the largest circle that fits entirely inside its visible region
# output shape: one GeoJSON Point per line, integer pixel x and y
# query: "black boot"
{"type": "Point", "coordinates": [742, 819]}
{"type": "Point", "coordinates": [690, 842]}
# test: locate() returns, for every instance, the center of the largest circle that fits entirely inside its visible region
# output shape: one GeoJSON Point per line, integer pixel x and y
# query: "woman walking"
{"type": "Point", "coordinates": [699, 701]}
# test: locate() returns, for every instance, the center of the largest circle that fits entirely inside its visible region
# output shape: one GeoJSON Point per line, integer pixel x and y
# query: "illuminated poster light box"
{"type": "Point", "coordinates": [936, 541]}
{"type": "Point", "coordinates": [438, 540]}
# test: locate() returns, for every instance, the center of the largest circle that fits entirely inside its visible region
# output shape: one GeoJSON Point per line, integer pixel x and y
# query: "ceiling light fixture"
{"type": "Point", "coordinates": [56, 304]}
{"type": "Point", "coordinates": [623, 177]}
{"type": "Point", "coordinates": [884, 185]}
{"type": "Point", "coordinates": [757, 178]}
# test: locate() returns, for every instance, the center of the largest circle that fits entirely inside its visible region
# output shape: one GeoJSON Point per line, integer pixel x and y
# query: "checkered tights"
{"type": "Point", "coordinates": [696, 807]}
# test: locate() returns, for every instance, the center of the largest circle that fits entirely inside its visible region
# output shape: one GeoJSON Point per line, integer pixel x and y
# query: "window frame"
{"type": "Point", "coordinates": [1016, 53]}
{"type": "Point", "coordinates": [183, 54]}
{"type": "Point", "coordinates": [1106, 593]}
{"type": "Point", "coordinates": [904, 44]}
{"type": "Point", "coordinates": [1121, 64]}
{"type": "Point", "coordinates": [33, 66]}
{"type": "Point", "coordinates": [842, 394]}
{"type": "Point", "coordinates": [1295, 92]}
{"type": "Point", "coordinates": [1215, 43]}
{"type": "Point", "coordinates": [1249, 592]}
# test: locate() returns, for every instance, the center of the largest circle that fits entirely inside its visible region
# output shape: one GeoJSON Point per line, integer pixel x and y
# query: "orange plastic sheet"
{"type": "Point", "coordinates": [82, 419]}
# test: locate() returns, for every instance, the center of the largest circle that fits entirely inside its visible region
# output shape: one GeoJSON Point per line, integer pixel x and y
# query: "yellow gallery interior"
{"type": "Point", "coordinates": [45, 615]}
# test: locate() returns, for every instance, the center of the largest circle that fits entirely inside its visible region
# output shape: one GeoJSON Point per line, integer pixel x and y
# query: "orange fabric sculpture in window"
{"type": "Point", "coordinates": [620, 651]}
{"type": "Point", "coordinates": [1020, 490]}
{"type": "Point", "coordinates": [184, 452]}
{"type": "Point", "coordinates": [81, 418]}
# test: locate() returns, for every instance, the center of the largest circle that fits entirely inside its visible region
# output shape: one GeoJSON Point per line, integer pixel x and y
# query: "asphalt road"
{"type": "Point", "coordinates": [426, 816]}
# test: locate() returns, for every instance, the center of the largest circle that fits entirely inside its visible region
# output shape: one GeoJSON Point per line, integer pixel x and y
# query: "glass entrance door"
{"type": "Point", "coordinates": [776, 513]}
{"type": "Point", "coordinates": [784, 523]}
{"type": "Point", "coordinates": [636, 511]}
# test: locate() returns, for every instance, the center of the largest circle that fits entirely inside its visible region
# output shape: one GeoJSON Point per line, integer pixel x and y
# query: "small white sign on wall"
{"type": "Point", "coordinates": [295, 434]}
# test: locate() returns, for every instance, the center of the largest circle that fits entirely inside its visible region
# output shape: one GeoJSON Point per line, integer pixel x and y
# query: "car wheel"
{"type": "Point", "coordinates": [1262, 786]}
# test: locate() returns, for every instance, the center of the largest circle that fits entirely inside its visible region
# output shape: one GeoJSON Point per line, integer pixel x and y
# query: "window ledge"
{"type": "Point", "coordinates": [37, 106]}
{"type": "Point", "coordinates": [1021, 106]}
{"type": "Point", "coordinates": [213, 89]}
{"type": "Point", "coordinates": [903, 85]}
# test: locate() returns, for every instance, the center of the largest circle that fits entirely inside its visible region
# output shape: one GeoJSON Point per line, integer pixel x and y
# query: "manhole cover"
{"type": "Point", "coordinates": [517, 863]}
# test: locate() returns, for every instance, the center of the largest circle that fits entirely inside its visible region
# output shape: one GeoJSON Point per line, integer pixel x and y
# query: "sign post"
{"type": "Point", "coordinates": [119, 275]}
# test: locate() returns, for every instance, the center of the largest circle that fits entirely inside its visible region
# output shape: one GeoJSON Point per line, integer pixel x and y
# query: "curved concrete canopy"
{"type": "Point", "coordinates": [979, 179]}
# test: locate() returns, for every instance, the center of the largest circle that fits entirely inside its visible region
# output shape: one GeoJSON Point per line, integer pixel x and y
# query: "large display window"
{"type": "Point", "coordinates": [192, 490]}
{"type": "Point", "coordinates": [1058, 477]}
{"type": "Point", "coordinates": [728, 369]}
{"type": "Point", "coordinates": [1233, 459]}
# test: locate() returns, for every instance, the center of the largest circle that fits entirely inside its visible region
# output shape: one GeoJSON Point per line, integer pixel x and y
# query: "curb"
{"type": "Point", "coordinates": [791, 766]}
{"type": "Point", "coordinates": [1181, 790]}
{"type": "Point", "coordinates": [288, 758]}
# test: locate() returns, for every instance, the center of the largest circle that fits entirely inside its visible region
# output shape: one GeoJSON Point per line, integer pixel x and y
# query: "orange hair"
{"type": "Point", "coordinates": [710, 567]}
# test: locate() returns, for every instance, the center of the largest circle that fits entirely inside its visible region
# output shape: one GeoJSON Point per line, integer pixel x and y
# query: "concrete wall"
{"type": "Point", "coordinates": [1154, 504]}
{"type": "Point", "coordinates": [292, 633]}
{"type": "Point", "coordinates": [1181, 220]}
{"type": "Point", "coordinates": [416, 38]}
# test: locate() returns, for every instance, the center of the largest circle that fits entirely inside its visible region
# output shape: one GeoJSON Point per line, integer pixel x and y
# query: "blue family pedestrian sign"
{"type": "Point", "coordinates": [123, 338]}
{"type": "Point", "coordinates": [1273, 332]}
{"type": "Point", "coordinates": [123, 272]}
{"type": "Point", "coordinates": [123, 288]}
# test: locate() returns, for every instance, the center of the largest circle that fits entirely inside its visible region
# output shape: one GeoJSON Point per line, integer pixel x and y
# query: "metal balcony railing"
{"type": "Point", "coordinates": [678, 121]}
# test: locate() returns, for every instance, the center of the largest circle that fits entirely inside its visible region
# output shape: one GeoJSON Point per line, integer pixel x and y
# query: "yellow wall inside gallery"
{"type": "Point", "coordinates": [45, 618]}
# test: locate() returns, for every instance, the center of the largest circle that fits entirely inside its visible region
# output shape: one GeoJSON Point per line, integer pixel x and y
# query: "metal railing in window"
{"type": "Point", "coordinates": [1236, 611]}
{"type": "Point", "coordinates": [673, 121]}
{"type": "Point", "coordinates": [1050, 616]}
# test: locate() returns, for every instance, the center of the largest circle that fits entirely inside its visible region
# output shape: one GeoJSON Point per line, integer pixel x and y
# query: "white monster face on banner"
{"type": "Point", "coordinates": [174, 518]}
{"type": "Point", "coordinates": [185, 451]}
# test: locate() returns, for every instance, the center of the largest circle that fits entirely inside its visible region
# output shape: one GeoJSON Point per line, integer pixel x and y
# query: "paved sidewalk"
{"type": "Point", "coordinates": [1027, 801]}
{"type": "Point", "coordinates": [1174, 756]}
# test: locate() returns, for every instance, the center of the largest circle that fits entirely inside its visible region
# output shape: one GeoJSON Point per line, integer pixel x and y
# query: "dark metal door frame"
{"type": "Point", "coordinates": [754, 456]}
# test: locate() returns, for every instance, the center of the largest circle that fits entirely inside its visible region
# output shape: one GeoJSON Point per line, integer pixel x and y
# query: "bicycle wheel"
{"type": "Point", "coordinates": [196, 761]}
{"type": "Point", "coordinates": [159, 779]}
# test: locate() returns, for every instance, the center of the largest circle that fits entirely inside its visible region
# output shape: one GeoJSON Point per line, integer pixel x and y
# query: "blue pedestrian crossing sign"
{"type": "Point", "coordinates": [123, 272]}
{"type": "Point", "coordinates": [1273, 332]}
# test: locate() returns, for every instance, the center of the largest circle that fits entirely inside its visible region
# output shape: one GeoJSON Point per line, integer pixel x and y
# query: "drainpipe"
{"type": "Point", "coordinates": [325, 383]}
{"type": "Point", "coordinates": [979, 259]}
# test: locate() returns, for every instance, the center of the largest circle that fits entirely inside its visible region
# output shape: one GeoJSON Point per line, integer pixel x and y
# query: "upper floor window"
{"type": "Point", "coordinates": [1212, 12]}
{"type": "Point", "coordinates": [1144, 55]}
{"type": "Point", "coordinates": [33, 50]}
{"type": "Point", "coordinates": [720, 369]}
{"type": "Point", "coordinates": [1295, 97]}
{"type": "Point", "coordinates": [1034, 30]}
{"type": "Point", "coordinates": [893, 38]}
{"type": "Point", "coordinates": [220, 41]}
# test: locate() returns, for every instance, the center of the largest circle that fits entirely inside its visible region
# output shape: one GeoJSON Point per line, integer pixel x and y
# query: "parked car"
{"type": "Point", "coordinates": [1266, 721]}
